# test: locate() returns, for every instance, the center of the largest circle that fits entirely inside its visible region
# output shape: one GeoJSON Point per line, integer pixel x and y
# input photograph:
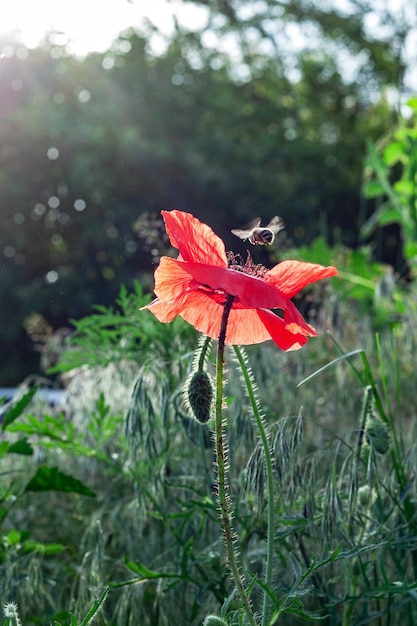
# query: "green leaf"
{"type": "Point", "coordinates": [373, 189]}
{"type": "Point", "coordinates": [390, 216]}
{"type": "Point", "coordinates": [3, 512]}
{"type": "Point", "coordinates": [4, 447]}
{"type": "Point", "coordinates": [43, 548]}
{"type": "Point", "coordinates": [393, 153]}
{"type": "Point", "coordinates": [93, 611]}
{"type": "Point", "coordinates": [410, 249]}
{"type": "Point", "coordinates": [328, 365]}
{"type": "Point", "coordinates": [73, 620]}
{"type": "Point", "coordinates": [405, 187]}
{"type": "Point", "coordinates": [142, 571]}
{"type": "Point", "coordinates": [412, 103]}
{"type": "Point", "coordinates": [18, 407]}
{"type": "Point", "coordinates": [13, 537]}
{"type": "Point", "coordinates": [22, 446]}
{"type": "Point", "coordinates": [296, 567]}
{"type": "Point", "coordinates": [62, 618]}
{"type": "Point", "coordinates": [51, 479]}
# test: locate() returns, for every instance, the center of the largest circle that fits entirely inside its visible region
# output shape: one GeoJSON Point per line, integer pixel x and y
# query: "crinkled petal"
{"type": "Point", "coordinates": [194, 240]}
{"type": "Point", "coordinates": [294, 320]}
{"type": "Point", "coordinates": [171, 279]}
{"type": "Point", "coordinates": [251, 292]}
{"type": "Point", "coordinates": [281, 333]}
{"type": "Point", "coordinates": [245, 326]}
{"type": "Point", "coordinates": [164, 311]}
{"type": "Point", "coordinates": [205, 312]}
{"type": "Point", "coordinates": [292, 276]}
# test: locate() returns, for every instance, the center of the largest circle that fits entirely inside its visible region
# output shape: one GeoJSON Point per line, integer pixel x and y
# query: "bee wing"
{"type": "Point", "coordinates": [276, 224]}
{"type": "Point", "coordinates": [253, 224]}
{"type": "Point", "coordinates": [245, 232]}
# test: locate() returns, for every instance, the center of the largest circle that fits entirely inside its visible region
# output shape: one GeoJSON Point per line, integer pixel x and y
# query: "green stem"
{"type": "Point", "coordinates": [221, 458]}
{"type": "Point", "coordinates": [269, 479]}
{"type": "Point", "coordinates": [203, 353]}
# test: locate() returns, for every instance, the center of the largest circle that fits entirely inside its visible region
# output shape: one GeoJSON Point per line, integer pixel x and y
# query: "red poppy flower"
{"type": "Point", "coordinates": [195, 285]}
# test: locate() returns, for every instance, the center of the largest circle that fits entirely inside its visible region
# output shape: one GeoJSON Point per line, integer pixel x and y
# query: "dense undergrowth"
{"type": "Point", "coordinates": [116, 490]}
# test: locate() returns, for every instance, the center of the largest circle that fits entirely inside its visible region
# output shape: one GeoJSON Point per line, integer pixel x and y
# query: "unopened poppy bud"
{"type": "Point", "coordinates": [377, 435]}
{"type": "Point", "coordinates": [200, 396]}
{"type": "Point", "coordinates": [365, 495]}
{"type": "Point", "coordinates": [11, 615]}
{"type": "Point", "coordinates": [214, 620]}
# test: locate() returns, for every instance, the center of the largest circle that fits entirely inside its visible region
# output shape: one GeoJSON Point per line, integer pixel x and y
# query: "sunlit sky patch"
{"type": "Point", "coordinates": [84, 26]}
{"type": "Point", "coordinates": [91, 25]}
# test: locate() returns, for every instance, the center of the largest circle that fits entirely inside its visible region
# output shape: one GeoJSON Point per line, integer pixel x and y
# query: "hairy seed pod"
{"type": "Point", "coordinates": [200, 396]}
{"type": "Point", "coordinates": [377, 435]}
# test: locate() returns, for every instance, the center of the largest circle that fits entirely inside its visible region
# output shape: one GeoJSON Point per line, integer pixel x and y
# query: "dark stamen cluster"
{"type": "Point", "coordinates": [236, 262]}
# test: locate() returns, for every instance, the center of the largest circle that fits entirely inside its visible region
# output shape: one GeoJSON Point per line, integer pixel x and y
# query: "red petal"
{"type": "Point", "coordinates": [280, 333]}
{"type": "Point", "coordinates": [171, 279]}
{"type": "Point", "coordinates": [164, 311]}
{"type": "Point", "coordinates": [195, 240]}
{"type": "Point", "coordinates": [292, 276]}
{"type": "Point", "coordinates": [294, 320]}
{"type": "Point", "coordinates": [245, 326]}
{"type": "Point", "coordinates": [249, 291]}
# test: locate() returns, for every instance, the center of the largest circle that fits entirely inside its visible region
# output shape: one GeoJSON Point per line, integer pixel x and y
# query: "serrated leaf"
{"type": "Point", "coordinates": [18, 407]}
{"type": "Point", "coordinates": [52, 479]}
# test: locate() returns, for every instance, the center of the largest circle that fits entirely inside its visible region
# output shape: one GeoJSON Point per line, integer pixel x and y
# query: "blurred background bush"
{"type": "Point", "coordinates": [253, 109]}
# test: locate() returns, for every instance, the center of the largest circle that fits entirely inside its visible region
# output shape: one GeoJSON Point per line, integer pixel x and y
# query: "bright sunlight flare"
{"type": "Point", "coordinates": [88, 25]}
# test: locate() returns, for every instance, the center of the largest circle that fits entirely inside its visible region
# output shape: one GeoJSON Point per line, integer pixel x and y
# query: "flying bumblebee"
{"type": "Point", "coordinates": [260, 235]}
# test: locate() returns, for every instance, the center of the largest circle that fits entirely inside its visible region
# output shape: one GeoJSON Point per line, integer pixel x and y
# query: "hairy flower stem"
{"type": "Point", "coordinates": [269, 478]}
{"type": "Point", "coordinates": [204, 348]}
{"type": "Point", "coordinates": [221, 458]}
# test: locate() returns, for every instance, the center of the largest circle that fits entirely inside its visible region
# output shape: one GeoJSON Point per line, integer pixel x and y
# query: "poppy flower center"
{"type": "Point", "coordinates": [236, 262]}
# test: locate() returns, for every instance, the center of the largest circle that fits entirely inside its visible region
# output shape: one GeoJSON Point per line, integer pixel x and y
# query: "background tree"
{"type": "Point", "coordinates": [92, 150]}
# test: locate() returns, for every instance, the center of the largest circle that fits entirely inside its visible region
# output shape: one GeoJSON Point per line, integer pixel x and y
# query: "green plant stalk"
{"type": "Point", "coordinates": [397, 455]}
{"type": "Point", "coordinates": [349, 606]}
{"type": "Point", "coordinates": [221, 459]}
{"type": "Point", "coordinates": [269, 481]}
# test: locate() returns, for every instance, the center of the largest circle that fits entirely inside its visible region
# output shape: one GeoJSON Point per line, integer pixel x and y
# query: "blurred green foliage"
{"type": "Point", "coordinates": [91, 150]}
{"type": "Point", "coordinates": [391, 178]}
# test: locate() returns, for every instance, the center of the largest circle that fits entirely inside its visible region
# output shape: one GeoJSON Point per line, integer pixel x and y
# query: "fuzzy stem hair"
{"type": "Point", "coordinates": [254, 401]}
{"type": "Point", "coordinates": [225, 508]}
